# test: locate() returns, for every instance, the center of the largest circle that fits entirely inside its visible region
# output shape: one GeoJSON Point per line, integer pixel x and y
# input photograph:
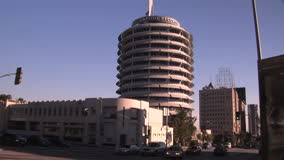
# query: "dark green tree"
{"type": "Point", "coordinates": [183, 125]}
{"type": "Point", "coordinates": [4, 97]}
{"type": "Point", "coordinates": [21, 100]}
{"type": "Point", "coordinates": [218, 138]}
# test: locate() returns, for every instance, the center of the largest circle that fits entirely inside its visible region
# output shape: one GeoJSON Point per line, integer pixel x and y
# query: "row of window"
{"type": "Point", "coordinates": [156, 63]}
{"type": "Point", "coordinates": [157, 45]}
{"type": "Point", "coordinates": [155, 80]}
{"type": "Point", "coordinates": [163, 99]}
{"type": "Point", "coordinates": [57, 111]}
{"type": "Point", "coordinates": [149, 29]}
{"type": "Point", "coordinates": [149, 89]}
{"type": "Point", "coordinates": [156, 37]}
{"type": "Point", "coordinates": [148, 72]}
{"type": "Point", "coordinates": [156, 54]}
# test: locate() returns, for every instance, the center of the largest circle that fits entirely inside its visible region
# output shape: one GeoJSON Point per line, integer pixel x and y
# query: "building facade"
{"type": "Point", "coordinates": [253, 120]}
{"type": "Point", "coordinates": [218, 107]}
{"type": "Point", "coordinates": [155, 63]}
{"type": "Point", "coordinates": [110, 121]}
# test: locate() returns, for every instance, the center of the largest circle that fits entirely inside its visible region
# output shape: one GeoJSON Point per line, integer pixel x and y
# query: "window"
{"type": "Point", "coordinates": [77, 112]}
{"type": "Point", "coordinates": [109, 112]}
{"type": "Point", "coordinates": [134, 114]}
{"type": "Point", "coordinates": [49, 111]}
{"type": "Point", "coordinates": [54, 111]}
{"type": "Point", "coordinates": [70, 111]}
{"type": "Point", "coordinates": [44, 111]}
{"type": "Point", "coordinates": [65, 111]}
{"type": "Point", "coordinates": [59, 112]}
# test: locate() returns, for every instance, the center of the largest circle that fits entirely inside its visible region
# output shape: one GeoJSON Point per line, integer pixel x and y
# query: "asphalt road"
{"type": "Point", "coordinates": [95, 153]}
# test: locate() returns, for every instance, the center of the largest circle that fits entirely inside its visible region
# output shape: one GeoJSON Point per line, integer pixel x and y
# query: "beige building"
{"type": "Point", "coordinates": [218, 107]}
{"type": "Point", "coordinates": [155, 62]}
{"type": "Point", "coordinates": [109, 121]}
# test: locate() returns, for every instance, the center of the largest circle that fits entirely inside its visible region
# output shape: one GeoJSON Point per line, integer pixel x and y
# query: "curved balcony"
{"type": "Point", "coordinates": [170, 36]}
{"type": "Point", "coordinates": [140, 50]}
{"type": "Point", "coordinates": [170, 104]}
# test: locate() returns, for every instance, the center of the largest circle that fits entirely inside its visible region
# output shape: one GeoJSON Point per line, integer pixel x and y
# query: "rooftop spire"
{"type": "Point", "coordinates": [150, 8]}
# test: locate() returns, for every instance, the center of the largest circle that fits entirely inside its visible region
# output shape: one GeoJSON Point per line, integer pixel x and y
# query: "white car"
{"type": "Point", "coordinates": [154, 148]}
{"type": "Point", "coordinates": [128, 149]}
{"type": "Point", "coordinates": [227, 145]}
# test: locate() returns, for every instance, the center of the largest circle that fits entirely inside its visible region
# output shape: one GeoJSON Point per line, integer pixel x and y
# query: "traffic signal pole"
{"type": "Point", "coordinates": [18, 75]}
{"type": "Point", "coordinates": [8, 74]}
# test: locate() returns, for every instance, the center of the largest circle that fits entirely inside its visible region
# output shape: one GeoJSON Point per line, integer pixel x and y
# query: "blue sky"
{"type": "Point", "coordinates": [67, 48]}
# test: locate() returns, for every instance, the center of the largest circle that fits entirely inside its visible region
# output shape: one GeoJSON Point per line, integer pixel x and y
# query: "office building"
{"type": "Point", "coordinates": [110, 121]}
{"type": "Point", "coordinates": [155, 63]}
{"type": "Point", "coordinates": [218, 107]}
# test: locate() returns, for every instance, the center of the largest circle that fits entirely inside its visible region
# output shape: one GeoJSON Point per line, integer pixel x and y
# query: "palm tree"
{"type": "Point", "coordinates": [183, 125]}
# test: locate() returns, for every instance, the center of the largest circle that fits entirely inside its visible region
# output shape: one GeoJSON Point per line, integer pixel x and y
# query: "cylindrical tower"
{"type": "Point", "coordinates": [155, 62]}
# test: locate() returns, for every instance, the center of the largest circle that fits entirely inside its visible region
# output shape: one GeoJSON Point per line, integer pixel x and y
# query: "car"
{"type": "Point", "coordinates": [194, 150]}
{"type": "Point", "coordinates": [228, 145]}
{"type": "Point", "coordinates": [206, 145]}
{"type": "Point", "coordinates": [55, 141]}
{"type": "Point", "coordinates": [128, 149]}
{"type": "Point", "coordinates": [12, 140]}
{"type": "Point", "coordinates": [220, 150]}
{"type": "Point", "coordinates": [38, 141]}
{"type": "Point", "coordinates": [175, 152]}
{"type": "Point", "coordinates": [154, 148]}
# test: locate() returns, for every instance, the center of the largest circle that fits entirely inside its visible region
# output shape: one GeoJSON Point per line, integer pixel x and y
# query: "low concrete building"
{"type": "Point", "coordinates": [109, 121]}
{"type": "Point", "coordinates": [4, 114]}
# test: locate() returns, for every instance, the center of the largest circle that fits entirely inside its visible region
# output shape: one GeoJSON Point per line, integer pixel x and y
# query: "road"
{"type": "Point", "coordinates": [95, 153]}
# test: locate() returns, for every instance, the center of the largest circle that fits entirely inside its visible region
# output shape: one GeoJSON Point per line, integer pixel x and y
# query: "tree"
{"type": "Point", "coordinates": [207, 137]}
{"type": "Point", "coordinates": [21, 100]}
{"type": "Point", "coordinates": [183, 124]}
{"type": "Point", "coordinates": [218, 138]}
{"type": "Point", "coordinates": [4, 97]}
{"type": "Point", "coordinates": [240, 138]}
{"type": "Point", "coordinates": [200, 137]}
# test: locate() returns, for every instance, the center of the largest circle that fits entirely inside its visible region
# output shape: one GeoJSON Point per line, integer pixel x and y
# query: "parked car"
{"type": "Point", "coordinates": [154, 148]}
{"type": "Point", "coordinates": [206, 145]}
{"type": "Point", "coordinates": [12, 140]}
{"type": "Point", "coordinates": [128, 149]}
{"type": "Point", "coordinates": [38, 141]}
{"type": "Point", "coordinates": [228, 145]}
{"type": "Point", "coordinates": [55, 141]}
{"type": "Point", "coordinates": [194, 150]}
{"type": "Point", "coordinates": [220, 150]}
{"type": "Point", "coordinates": [175, 152]}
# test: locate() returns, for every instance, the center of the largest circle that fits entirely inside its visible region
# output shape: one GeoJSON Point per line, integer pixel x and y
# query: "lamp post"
{"type": "Point", "coordinates": [264, 139]}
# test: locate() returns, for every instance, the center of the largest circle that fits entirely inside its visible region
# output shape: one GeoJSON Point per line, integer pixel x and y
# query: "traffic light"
{"type": "Point", "coordinates": [18, 76]}
{"type": "Point", "coordinates": [238, 116]}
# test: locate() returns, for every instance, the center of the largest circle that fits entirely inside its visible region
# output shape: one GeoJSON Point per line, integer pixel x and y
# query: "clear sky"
{"type": "Point", "coordinates": [68, 48]}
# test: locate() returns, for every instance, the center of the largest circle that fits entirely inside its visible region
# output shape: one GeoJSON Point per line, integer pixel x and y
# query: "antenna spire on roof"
{"type": "Point", "coordinates": [150, 8]}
